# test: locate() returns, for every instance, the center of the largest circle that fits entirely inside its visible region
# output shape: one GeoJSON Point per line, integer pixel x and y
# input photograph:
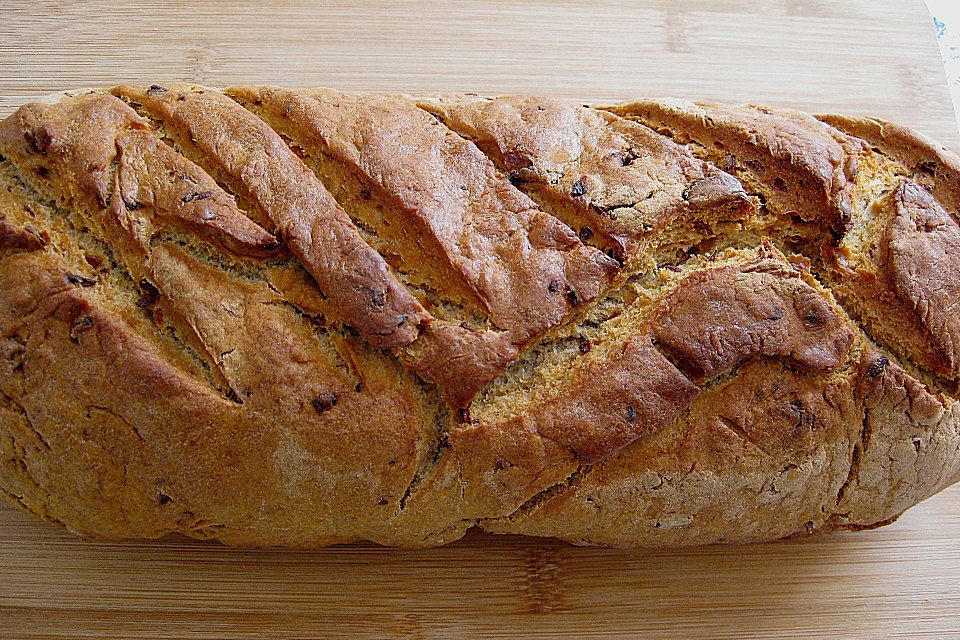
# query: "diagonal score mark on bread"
{"type": "Point", "coordinates": [315, 228]}
{"type": "Point", "coordinates": [524, 267]}
{"type": "Point", "coordinates": [268, 356]}
{"type": "Point", "coordinates": [621, 185]}
{"type": "Point", "coordinates": [924, 161]}
{"type": "Point", "coordinates": [839, 182]}
{"type": "Point", "coordinates": [704, 387]}
{"type": "Point", "coordinates": [437, 202]}
{"type": "Point", "coordinates": [459, 358]}
{"type": "Point", "coordinates": [652, 363]}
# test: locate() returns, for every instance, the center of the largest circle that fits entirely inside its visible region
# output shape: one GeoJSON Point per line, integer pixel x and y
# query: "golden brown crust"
{"type": "Point", "coordinates": [74, 138]}
{"type": "Point", "coordinates": [809, 168]}
{"type": "Point", "coordinates": [58, 352]}
{"type": "Point", "coordinates": [196, 465]}
{"type": "Point", "coordinates": [610, 176]}
{"type": "Point", "coordinates": [713, 321]}
{"type": "Point", "coordinates": [148, 175]}
{"type": "Point", "coordinates": [12, 238]}
{"type": "Point", "coordinates": [907, 448]}
{"type": "Point", "coordinates": [627, 396]}
{"type": "Point", "coordinates": [460, 359]}
{"type": "Point", "coordinates": [722, 395]}
{"type": "Point", "coordinates": [722, 317]}
{"type": "Point", "coordinates": [152, 176]}
{"type": "Point", "coordinates": [471, 230]}
{"type": "Point", "coordinates": [895, 270]}
{"type": "Point", "coordinates": [804, 167]}
{"type": "Point", "coordinates": [314, 227]}
{"type": "Point", "coordinates": [920, 257]}
{"type": "Point", "coordinates": [757, 458]}
{"type": "Point", "coordinates": [930, 164]}
{"type": "Point", "coordinates": [526, 268]}
{"type": "Point", "coordinates": [635, 389]}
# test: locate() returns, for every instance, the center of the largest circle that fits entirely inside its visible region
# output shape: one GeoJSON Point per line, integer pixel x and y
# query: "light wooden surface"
{"type": "Point", "coordinates": [897, 582]}
{"type": "Point", "coordinates": [857, 57]}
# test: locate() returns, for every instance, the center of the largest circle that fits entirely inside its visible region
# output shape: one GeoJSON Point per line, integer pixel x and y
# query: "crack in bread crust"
{"type": "Point", "coordinates": [799, 163]}
{"type": "Point", "coordinates": [310, 222]}
{"type": "Point", "coordinates": [704, 386]}
{"type": "Point", "coordinates": [443, 205]}
{"type": "Point", "coordinates": [616, 181]}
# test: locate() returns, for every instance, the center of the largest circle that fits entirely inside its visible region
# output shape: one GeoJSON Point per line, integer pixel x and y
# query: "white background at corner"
{"type": "Point", "coordinates": [946, 22]}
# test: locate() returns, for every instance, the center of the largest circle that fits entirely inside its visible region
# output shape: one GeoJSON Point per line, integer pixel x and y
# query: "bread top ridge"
{"type": "Point", "coordinates": [394, 317]}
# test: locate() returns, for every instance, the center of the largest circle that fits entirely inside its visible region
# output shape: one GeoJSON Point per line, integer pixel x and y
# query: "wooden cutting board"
{"type": "Point", "coordinates": [857, 57]}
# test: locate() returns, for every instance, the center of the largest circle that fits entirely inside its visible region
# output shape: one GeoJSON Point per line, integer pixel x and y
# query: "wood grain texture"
{"type": "Point", "coordinates": [858, 57]}
{"type": "Point", "coordinates": [897, 582]}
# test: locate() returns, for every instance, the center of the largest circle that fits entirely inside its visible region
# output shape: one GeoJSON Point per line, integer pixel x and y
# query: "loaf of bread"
{"type": "Point", "coordinates": [305, 317]}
